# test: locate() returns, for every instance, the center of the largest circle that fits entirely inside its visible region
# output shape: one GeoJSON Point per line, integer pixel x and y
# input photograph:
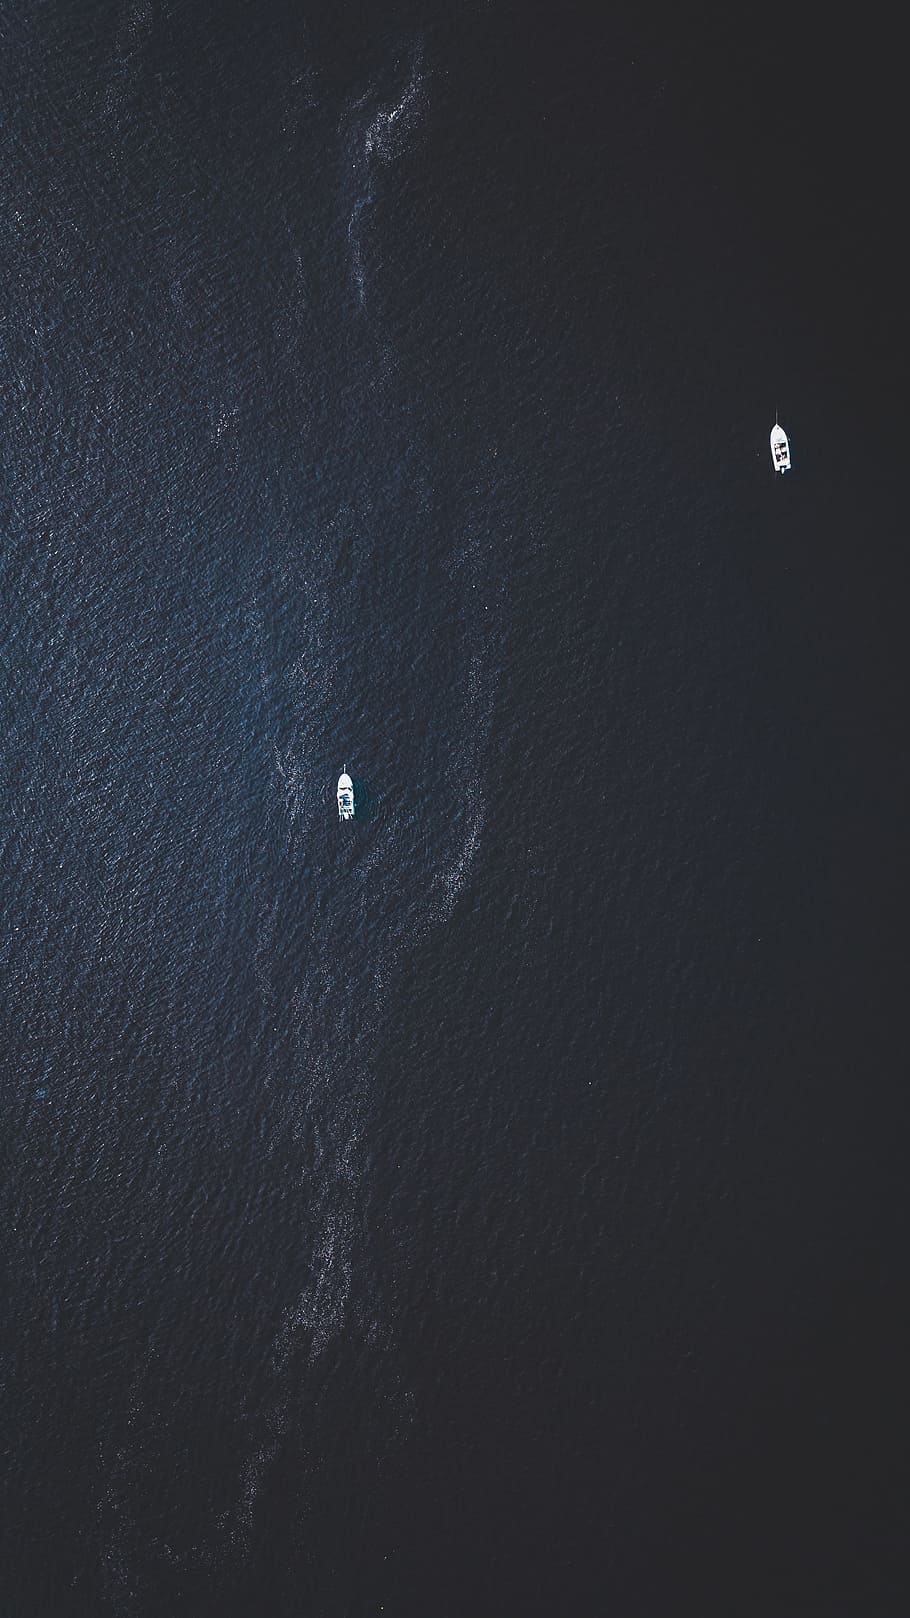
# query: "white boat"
{"type": "Point", "coordinates": [345, 796]}
{"type": "Point", "coordinates": [780, 449]}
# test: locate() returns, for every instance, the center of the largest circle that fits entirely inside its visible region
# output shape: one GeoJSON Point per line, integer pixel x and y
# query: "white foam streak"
{"type": "Point", "coordinates": [384, 140]}
{"type": "Point", "coordinates": [390, 125]}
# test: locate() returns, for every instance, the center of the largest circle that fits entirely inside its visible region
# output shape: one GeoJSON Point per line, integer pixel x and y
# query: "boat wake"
{"type": "Point", "coordinates": [377, 135]}
{"type": "Point", "coordinates": [376, 628]}
{"type": "Point", "coordinates": [382, 889]}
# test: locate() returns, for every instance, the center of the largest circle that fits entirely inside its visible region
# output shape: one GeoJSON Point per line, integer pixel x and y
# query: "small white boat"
{"type": "Point", "coordinates": [345, 797]}
{"type": "Point", "coordinates": [780, 449]}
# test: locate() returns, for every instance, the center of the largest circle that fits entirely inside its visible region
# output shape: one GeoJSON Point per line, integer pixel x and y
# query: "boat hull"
{"type": "Point", "coordinates": [780, 449]}
{"type": "Point", "coordinates": [345, 797]}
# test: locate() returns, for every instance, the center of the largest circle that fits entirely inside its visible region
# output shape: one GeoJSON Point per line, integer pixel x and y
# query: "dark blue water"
{"type": "Point", "coordinates": [492, 1206]}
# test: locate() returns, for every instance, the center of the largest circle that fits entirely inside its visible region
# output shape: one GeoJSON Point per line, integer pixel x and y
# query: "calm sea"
{"type": "Point", "coordinates": [490, 1207]}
